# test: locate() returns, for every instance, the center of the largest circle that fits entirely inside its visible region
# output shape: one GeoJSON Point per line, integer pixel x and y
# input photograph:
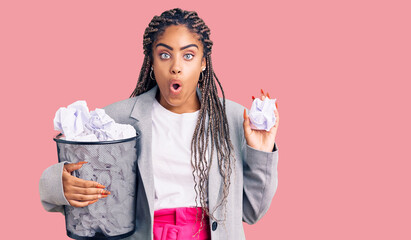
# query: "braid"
{"type": "Point", "coordinates": [216, 131]}
{"type": "Point", "coordinates": [144, 84]}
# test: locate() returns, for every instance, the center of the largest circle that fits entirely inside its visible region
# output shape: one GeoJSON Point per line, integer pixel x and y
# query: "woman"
{"type": "Point", "coordinates": [198, 155]}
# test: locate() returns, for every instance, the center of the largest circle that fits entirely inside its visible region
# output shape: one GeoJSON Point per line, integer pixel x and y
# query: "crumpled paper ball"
{"type": "Point", "coordinates": [78, 124]}
{"type": "Point", "coordinates": [262, 116]}
{"type": "Point", "coordinates": [70, 120]}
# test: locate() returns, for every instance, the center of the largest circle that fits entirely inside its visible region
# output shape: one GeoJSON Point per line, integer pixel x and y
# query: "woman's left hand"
{"type": "Point", "coordinates": [261, 139]}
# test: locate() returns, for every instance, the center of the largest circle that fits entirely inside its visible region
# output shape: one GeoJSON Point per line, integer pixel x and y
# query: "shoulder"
{"type": "Point", "coordinates": [235, 119]}
{"type": "Point", "coordinates": [120, 111]}
{"type": "Point", "coordinates": [234, 111]}
{"type": "Point", "coordinates": [123, 104]}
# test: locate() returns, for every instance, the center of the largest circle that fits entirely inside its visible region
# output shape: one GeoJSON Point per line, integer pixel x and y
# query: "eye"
{"type": "Point", "coordinates": [188, 56]}
{"type": "Point", "coordinates": [164, 56]}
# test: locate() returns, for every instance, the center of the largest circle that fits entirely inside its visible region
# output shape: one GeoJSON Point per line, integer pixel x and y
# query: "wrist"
{"type": "Point", "coordinates": [264, 148]}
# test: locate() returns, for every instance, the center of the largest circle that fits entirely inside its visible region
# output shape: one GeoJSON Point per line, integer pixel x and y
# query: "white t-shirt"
{"type": "Point", "coordinates": [172, 134]}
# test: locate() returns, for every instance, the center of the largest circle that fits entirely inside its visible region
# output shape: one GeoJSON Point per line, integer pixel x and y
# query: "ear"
{"type": "Point", "coordinates": [203, 63]}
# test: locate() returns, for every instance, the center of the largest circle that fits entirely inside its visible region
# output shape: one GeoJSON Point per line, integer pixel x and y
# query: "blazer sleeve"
{"type": "Point", "coordinates": [260, 181]}
{"type": "Point", "coordinates": [51, 188]}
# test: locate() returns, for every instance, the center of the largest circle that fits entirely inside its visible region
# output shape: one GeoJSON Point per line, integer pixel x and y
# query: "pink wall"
{"type": "Point", "coordinates": [339, 69]}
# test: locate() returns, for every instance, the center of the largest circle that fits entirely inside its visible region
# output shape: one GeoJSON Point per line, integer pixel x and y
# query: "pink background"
{"type": "Point", "coordinates": [339, 69]}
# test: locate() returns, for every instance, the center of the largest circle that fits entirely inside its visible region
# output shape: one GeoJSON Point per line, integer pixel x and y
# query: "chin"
{"type": "Point", "coordinates": [172, 100]}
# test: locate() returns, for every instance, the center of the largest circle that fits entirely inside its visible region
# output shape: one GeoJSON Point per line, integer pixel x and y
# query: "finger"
{"type": "Point", "coordinates": [274, 128]}
{"type": "Point", "coordinates": [81, 197]}
{"type": "Point", "coordinates": [262, 95]}
{"type": "Point", "coordinates": [277, 115]}
{"type": "Point", "coordinates": [90, 191]}
{"type": "Point", "coordinates": [75, 203]}
{"type": "Point", "coordinates": [91, 202]}
{"type": "Point", "coordinates": [78, 182]}
{"type": "Point", "coordinates": [73, 166]}
{"type": "Point", "coordinates": [246, 124]}
{"type": "Point", "coordinates": [277, 118]}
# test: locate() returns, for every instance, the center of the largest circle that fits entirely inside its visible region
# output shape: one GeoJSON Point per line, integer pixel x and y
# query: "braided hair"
{"type": "Point", "coordinates": [216, 132]}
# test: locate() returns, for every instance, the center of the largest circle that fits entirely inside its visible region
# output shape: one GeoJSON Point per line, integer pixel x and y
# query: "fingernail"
{"type": "Point", "coordinates": [103, 196]}
{"type": "Point", "coordinates": [268, 95]}
{"type": "Point", "coordinates": [83, 162]}
{"type": "Point", "coordinates": [253, 97]}
{"type": "Point", "coordinates": [262, 92]}
{"type": "Point", "coordinates": [245, 116]}
{"type": "Point", "coordinates": [105, 192]}
{"type": "Point", "coordinates": [91, 202]}
{"type": "Point", "coordinates": [100, 186]}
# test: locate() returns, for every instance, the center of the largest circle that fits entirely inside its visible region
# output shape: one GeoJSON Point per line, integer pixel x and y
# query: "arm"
{"type": "Point", "coordinates": [51, 189]}
{"type": "Point", "coordinates": [59, 187]}
{"type": "Point", "coordinates": [259, 169]}
{"type": "Point", "coordinates": [260, 182]}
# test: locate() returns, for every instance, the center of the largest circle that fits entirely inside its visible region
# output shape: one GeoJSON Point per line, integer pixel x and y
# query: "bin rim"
{"type": "Point", "coordinates": [57, 139]}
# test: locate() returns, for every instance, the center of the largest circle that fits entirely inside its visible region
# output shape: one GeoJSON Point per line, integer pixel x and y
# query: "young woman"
{"type": "Point", "coordinates": [202, 170]}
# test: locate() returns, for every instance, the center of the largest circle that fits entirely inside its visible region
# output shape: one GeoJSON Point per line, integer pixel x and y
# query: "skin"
{"type": "Point", "coordinates": [177, 53]}
{"type": "Point", "coordinates": [80, 192]}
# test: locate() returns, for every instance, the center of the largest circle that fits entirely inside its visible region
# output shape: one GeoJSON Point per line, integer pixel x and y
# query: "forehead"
{"type": "Point", "coordinates": [178, 36]}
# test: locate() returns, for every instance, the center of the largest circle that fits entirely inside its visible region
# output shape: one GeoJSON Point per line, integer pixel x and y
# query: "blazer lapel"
{"type": "Point", "coordinates": [142, 113]}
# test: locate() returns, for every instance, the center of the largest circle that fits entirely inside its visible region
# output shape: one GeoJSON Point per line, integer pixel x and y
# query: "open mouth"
{"type": "Point", "coordinates": [176, 86]}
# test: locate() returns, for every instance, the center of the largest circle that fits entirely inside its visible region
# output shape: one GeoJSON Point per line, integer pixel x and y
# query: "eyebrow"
{"type": "Point", "coordinates": [182, 48]}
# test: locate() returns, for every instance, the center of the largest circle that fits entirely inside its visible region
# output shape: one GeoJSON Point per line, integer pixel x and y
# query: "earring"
{"type": "Point", "coordinates": [151, 77]}
{"type": "Point", "coordinates": [202, 77]}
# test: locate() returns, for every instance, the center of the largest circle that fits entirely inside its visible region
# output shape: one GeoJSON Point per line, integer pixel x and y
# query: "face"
{"type": "Point", "coordinates": [177, 62]}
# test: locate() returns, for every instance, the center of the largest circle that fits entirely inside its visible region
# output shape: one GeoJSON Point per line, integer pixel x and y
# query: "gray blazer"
{"type": "Point", "coordinates": [253, 181]}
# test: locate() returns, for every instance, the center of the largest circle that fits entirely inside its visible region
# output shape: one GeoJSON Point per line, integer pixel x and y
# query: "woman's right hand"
{"type": "Point", "coordinates": [80, 192]}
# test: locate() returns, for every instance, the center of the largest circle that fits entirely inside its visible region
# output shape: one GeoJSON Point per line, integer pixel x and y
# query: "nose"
{"type": "Point", "coordinates": [176, 67]}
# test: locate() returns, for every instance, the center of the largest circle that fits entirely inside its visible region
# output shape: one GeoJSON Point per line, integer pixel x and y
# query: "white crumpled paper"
{"type": "Point", "coordinates": [262, 116]}
{"type": "Point", "coordinates": [78, 124]}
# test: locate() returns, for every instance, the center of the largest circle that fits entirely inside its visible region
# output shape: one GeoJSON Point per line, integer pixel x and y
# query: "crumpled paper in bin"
{"type": "Point", "coordinates": [78, 124]}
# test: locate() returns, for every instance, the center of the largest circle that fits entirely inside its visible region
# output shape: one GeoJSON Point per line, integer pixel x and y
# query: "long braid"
{"type": "Point", "coordinates": [216, 131]}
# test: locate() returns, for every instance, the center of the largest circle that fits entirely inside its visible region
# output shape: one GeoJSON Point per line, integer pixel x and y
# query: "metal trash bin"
{"type": "Point", "coordinates": [114, 165]}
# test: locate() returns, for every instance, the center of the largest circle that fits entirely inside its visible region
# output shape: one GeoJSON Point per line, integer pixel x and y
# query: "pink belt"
{"type": "Point", "coordinates": [180, 224]}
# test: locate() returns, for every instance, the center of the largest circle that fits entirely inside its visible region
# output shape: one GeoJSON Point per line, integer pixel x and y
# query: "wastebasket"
{"type": "Point", "coordinates": [114, 165]}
